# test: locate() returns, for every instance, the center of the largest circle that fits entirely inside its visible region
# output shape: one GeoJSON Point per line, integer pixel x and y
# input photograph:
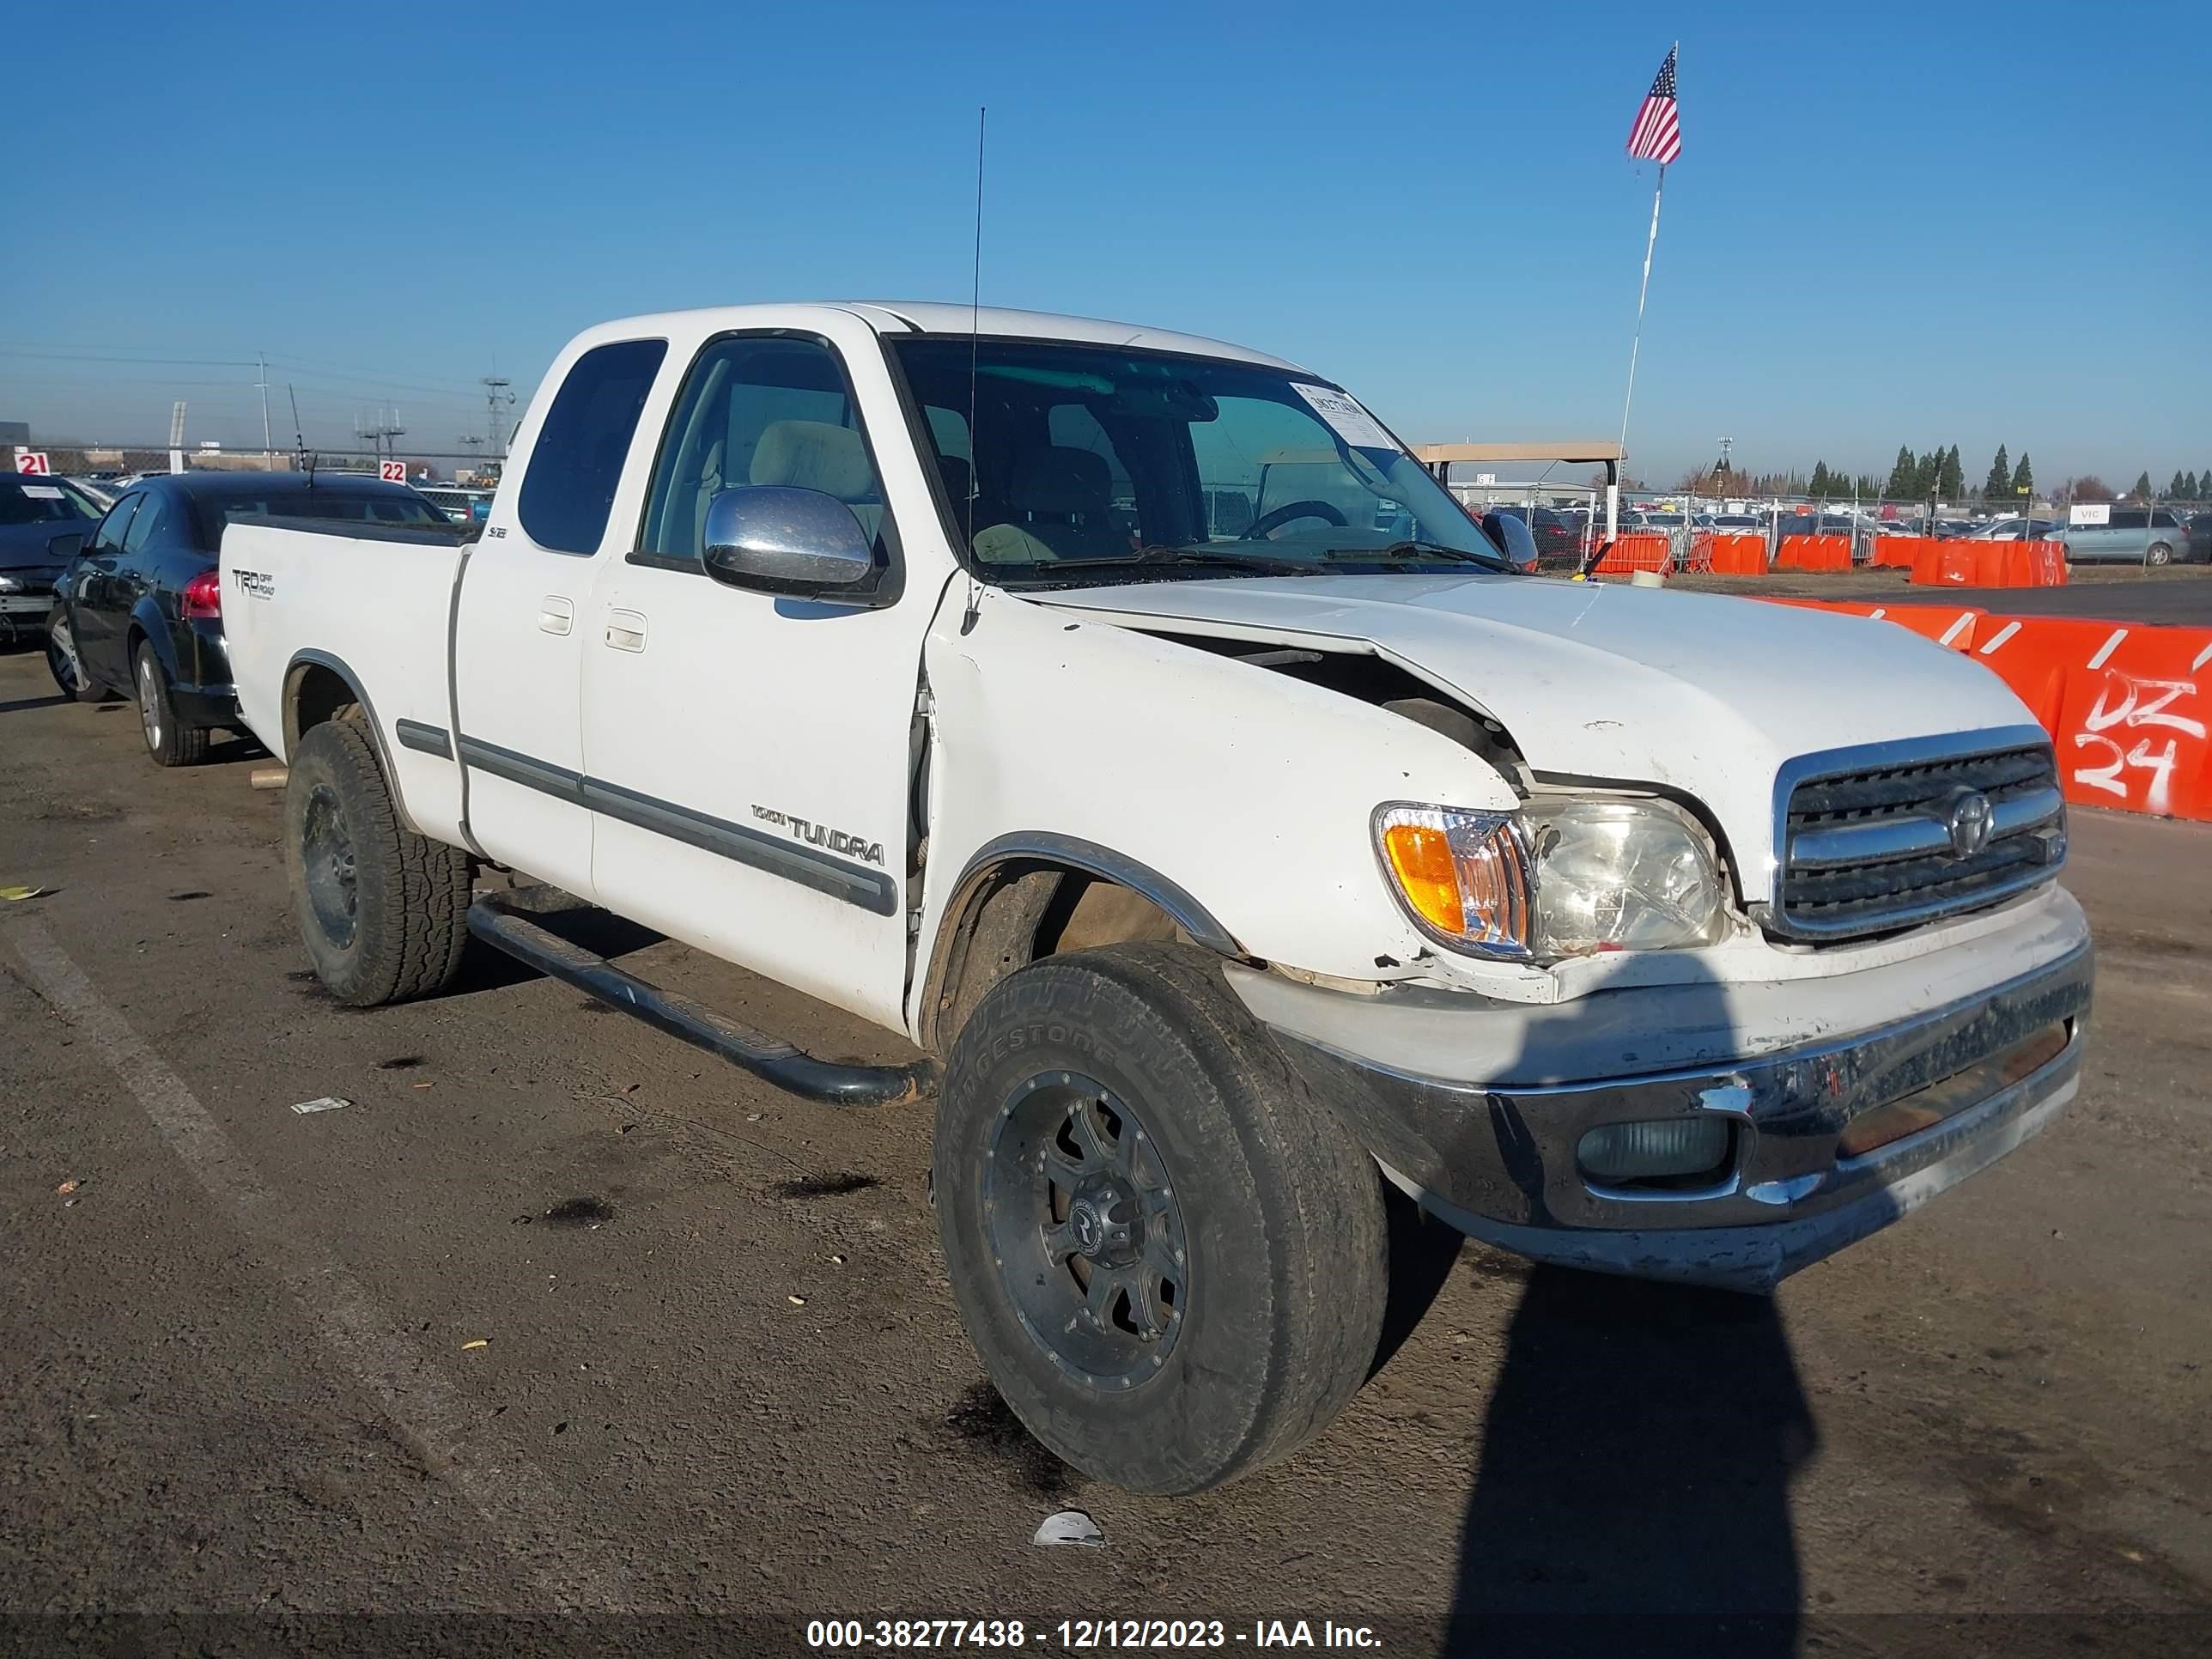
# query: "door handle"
{"type": "Point", "coordinates": [626, 630]}
{"type": "Point", "coordinates": [556, 615]}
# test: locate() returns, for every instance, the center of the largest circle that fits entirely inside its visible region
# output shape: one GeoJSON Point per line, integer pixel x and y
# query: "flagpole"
{"type": "Point", "coordinates": [1636, 350]}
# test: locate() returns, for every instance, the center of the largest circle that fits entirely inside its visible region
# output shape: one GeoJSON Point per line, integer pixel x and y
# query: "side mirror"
{"type": "Point", "coordinates": [62, 549]}
{"type": "Point", "coordinates": [786, 540]}
{"type": "Point", "coordinates": [1514, 538]}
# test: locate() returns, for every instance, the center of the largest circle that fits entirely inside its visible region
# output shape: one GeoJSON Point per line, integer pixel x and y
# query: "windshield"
{"type": "Point", "coordinates": [40, 501]}
{"type": "Point", "coordinates": [1099, 463]}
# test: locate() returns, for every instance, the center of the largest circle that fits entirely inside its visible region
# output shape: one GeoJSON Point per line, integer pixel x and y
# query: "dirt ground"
{"type": "Point", "coordinates": [556, 1318]}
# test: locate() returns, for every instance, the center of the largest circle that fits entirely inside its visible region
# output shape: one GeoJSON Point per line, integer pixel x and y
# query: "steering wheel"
{"type": "Point", "coordinates": [1275, 518]}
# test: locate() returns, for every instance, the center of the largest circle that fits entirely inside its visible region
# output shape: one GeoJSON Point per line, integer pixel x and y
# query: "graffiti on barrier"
{"type": "Point", "coordinates": [2129, 703]}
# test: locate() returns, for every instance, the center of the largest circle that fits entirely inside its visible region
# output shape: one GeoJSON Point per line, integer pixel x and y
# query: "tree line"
{"type": "Point", "coordinates": [1937, 475]}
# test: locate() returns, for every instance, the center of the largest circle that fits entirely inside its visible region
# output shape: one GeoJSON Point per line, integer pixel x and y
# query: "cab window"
{"type": "Point", "coordinates": [576, 464]}
{"type": "Point", "coordinates": [759, 410]}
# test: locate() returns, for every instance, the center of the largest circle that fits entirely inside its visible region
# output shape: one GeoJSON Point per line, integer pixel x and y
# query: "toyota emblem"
{"type": "Point", "coordinates": [1970, 823]}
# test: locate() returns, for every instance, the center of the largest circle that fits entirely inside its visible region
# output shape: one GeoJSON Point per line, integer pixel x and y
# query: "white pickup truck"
{"type": "Point", "coordinates": [1129, 721]}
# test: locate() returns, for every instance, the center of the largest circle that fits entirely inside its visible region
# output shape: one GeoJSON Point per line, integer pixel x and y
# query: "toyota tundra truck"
{"type": "Point", "coordinates": [1232, 827]}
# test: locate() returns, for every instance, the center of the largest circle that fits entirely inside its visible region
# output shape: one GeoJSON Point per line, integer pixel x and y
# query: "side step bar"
{"type": "Point", "coordinates": [503, 921]}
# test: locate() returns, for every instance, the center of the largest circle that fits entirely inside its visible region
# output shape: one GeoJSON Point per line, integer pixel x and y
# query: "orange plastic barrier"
{"type": "Point", "coordinates": [1739, 555]}
{"type": "Point", "coordinates": [1637, 552]}
{"type": "Point", "coordinates": [1988, 564]}
{"type": "Point", "coordinates": [1953, 625]}
{"type": "Point", "coordinates": [1899, 552]}
{"type": "Point", "coordinates": [1814, 553]}
{"type": "Point", "coordinates": [2127, 705]}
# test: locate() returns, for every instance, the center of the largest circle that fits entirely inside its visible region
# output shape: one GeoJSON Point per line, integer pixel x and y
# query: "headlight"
{"type": "Point", "coordinates": [9, 585]}
{"type": "Point", "coordinates": [1563, 876]}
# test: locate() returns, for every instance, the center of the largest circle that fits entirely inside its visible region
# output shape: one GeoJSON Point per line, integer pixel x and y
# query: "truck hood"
{"type": "Point", "coordinates": [1695, 692]}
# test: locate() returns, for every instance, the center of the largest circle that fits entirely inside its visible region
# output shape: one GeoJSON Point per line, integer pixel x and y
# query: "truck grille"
{"type": "Point", "coordinates": [1872, 849]}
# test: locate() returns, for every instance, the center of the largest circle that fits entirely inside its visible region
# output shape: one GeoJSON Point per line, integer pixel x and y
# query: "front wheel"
{"type": "Point", "coordinates": [168, 739]}
{"type": "Point", "coordinates": [63, 663]}
{"type": "Point", "coordinates": [1170, 1254]}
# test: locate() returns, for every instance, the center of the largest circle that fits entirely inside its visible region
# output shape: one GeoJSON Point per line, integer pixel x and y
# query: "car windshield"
{"type": "Point", "coordinates": [1093, 463]}
{"type": "Point", "coordinates": [36, 501]}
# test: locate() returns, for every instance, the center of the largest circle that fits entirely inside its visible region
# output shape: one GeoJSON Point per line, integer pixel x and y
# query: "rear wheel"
{"type": "Point", "coordinates": [1170, 1255]}
{"type": "Point", "coordinates": [382, 910]}
{"type": "Point", "coordinates": [63, 663]}
{"type": "Point", "coordinates": [2160, 554]}
{"type": "Point", "coordinates": [168, 739]}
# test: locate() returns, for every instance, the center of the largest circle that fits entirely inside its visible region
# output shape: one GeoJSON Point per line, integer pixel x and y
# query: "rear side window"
{"type": "Point", "coordinates": [2123, 519]}
{"type": "Point", "coordinates": [576, 464]}
{"type": "Point", "coordinates": [157, 520]}
{"type": "Point", "coordinates": [108, 538]}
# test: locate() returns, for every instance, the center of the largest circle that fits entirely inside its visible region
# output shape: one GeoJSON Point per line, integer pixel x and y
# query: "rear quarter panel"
{"type": "Point", "coordinates": [378, 610]}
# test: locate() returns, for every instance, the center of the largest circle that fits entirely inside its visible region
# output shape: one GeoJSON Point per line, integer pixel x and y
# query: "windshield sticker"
{"type": "Point", "coordinates": [44, 492]}
{"type": "Point", "coordinates": [1346, 417]}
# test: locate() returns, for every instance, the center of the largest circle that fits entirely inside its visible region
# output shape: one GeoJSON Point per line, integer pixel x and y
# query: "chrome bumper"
{"type": "Point", "coordinates": [1499, 1161]}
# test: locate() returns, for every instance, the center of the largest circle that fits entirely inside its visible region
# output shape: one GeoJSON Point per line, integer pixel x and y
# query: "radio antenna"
{"type": "Point", "coordinates": [975, 326]}
{"type": "Point", "coordinates": [974, 607]}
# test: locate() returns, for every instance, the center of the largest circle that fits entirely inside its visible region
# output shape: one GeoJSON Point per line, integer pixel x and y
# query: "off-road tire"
{"type": "Point", "coordinates": [65, 663]}
{"type": "Point", "coordinates": [409, 894]}
{"type": "Point", "coordinates": [1280, 1210]}
{"type": "Point", "coordinates": [169, 740]}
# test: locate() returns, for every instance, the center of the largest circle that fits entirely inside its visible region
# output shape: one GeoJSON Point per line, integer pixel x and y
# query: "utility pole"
{"type": "Point", "coordinates": [268, 455]}
{"type": "Point", "coordinates": [495, 393]}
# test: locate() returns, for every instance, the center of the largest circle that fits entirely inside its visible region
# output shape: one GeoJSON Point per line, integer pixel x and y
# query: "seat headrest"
{"type": "Point", "coordinates": [814, 455]}
{"type": "Point", "coordinates": [1061, 480]}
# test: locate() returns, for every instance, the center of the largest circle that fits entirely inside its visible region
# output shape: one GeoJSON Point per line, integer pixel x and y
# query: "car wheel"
{"type": "Point", "coordinates": [1170, 1255]}
{"type": "Point", "coordinates": [382, 910]}
{"type": "Point", "coordinates": [63, 663]}
{"type": "Point", "coordinates": [168, 739]}
{"type": "Point", "coordinates": [2160, 554]}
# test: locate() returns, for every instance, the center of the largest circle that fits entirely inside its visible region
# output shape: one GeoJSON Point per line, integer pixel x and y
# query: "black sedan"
{"type": "Point", "coordinates": [43, 521]}
{"type": "Point", "coordinates": [1557, 536]}
{"type": "Point", "coordinates": [140, 605]}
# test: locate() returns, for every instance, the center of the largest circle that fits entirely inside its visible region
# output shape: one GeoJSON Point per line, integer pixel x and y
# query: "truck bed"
{"type": "Point", "coordinates": [371, 605]}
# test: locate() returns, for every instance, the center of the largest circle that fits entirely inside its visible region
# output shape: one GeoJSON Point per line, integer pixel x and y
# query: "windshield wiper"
{"type": "Point", "coordinates": [1402, 552]}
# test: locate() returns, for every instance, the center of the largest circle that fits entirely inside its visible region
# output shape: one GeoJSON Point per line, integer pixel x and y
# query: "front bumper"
{"type": "Point", "coordinates": [1961, 1079]}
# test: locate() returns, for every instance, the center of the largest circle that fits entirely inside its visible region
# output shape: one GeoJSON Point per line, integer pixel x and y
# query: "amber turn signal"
{"type": "Point", "coordinates": [1421, 858]}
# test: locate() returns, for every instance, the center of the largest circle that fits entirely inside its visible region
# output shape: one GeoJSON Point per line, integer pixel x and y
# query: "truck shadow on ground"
{"type": "Point", "coordinates": [1632, 1495]}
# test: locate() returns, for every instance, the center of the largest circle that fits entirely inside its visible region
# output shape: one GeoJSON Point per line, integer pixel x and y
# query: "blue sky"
{"type": "Point", "coordinates": [1928, 224]}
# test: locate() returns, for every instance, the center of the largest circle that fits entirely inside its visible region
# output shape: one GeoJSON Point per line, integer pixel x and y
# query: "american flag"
{"type": "Point", "coordinates": [1657, 133]}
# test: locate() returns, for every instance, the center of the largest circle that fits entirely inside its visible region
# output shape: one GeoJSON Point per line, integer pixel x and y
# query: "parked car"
{"type": "Point", "coordinates": [2198, 527]}
{"type": "Point", "coordinates": [1556, 536]}
{"type": "Point", "coordinates": [459, 502]}
{"type": "Point", "coordinates": [2131, 535]}
{"type": "Point", "coordinates": [141, 603]}
{"type": "Point", "coordinates": [101, 495]}
{"type": "Point", "coordinates": [2013, 529]}
{"type": "Point", "coordinates": [1218, 880]}
{"type": "Point", "coordinates": [43, 522]}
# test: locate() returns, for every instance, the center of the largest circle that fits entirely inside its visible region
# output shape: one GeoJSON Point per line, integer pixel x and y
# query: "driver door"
{"type": "Point", "coordinates": [749, 754]}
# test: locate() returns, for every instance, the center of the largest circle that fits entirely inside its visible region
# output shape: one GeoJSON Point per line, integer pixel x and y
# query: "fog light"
{"type": "Point", "coordinates": [1674, 1147]}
